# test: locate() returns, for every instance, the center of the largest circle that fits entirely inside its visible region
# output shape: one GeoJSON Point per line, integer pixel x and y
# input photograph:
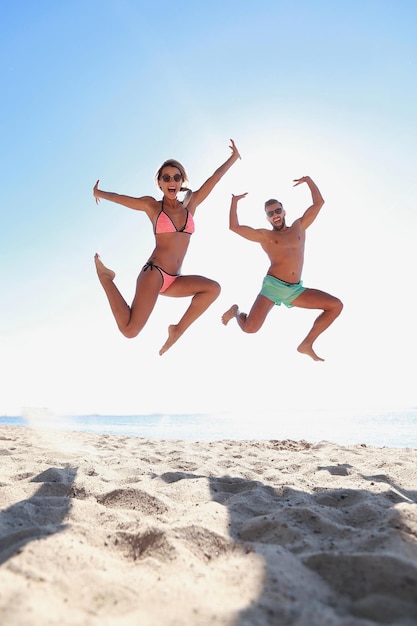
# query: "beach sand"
{"type": "Point", "coordinates": [105, 530]}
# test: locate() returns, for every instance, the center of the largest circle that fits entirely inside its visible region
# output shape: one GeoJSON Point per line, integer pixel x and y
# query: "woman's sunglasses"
{"type": "Point", "coordinates": [166, 178]}
{"type": "Point", "coordinates": [277, 211]}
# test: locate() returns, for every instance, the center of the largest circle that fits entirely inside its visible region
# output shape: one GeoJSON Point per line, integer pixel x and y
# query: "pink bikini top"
{"type": "Point", "coordinates": [164, 224]}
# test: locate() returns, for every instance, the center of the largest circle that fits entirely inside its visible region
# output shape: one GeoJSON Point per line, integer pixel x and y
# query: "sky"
{"type": "Point", "coordinates": [108, 90]}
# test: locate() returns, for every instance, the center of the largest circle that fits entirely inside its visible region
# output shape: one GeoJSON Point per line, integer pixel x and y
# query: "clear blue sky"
{"type": "Point", "coordinates": [109, 89]}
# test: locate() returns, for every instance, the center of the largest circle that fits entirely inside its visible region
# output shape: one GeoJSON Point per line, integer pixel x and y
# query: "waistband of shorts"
{"type": "Point", "coordinates": [284, 282]}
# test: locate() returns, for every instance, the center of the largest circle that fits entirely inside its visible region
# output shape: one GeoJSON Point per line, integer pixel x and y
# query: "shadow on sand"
{"type": "Point", "coordinates": [40, 515]}
{"type": "Point", "coordinates": [352, 545]}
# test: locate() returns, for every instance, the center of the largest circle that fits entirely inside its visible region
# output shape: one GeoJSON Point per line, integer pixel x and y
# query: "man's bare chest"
{"type": "Point", "coordinates": [292, 239]}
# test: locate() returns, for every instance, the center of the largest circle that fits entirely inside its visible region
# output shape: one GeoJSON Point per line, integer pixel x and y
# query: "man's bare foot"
{"type": "Point", "coordinates": [173, 336]}
{"type": "Point", "coordinates": [230, 313]}
{"type": "Point", "coordinates": [102, 270]}
{"type": "Point", "coordinates": [306, 348]}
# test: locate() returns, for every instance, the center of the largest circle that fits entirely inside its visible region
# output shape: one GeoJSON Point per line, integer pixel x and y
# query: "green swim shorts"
{"type": "Point", "coordinates": [281, 292]}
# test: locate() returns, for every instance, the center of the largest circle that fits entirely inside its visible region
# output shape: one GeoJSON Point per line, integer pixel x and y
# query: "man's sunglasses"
{"type": "Point", "coordinates": [277, 211]}
{"type": "Point", "coordinates": [166, 178]}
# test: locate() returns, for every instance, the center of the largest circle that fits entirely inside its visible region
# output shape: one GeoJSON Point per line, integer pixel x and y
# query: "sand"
{"type": "Point", "coordinates": [105, 530]}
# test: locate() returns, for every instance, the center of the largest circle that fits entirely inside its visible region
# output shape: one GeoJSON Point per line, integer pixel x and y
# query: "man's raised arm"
{"type": "Point", "coordinates": [244, 231]}
{"type": "Point", "coordinates": [311, 213]}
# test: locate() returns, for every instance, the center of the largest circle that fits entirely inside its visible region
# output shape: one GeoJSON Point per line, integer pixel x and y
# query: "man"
{"type": "Point", "coordinates": [284, 246]}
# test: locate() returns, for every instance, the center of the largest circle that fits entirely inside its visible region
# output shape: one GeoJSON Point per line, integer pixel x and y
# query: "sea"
{"type": "Point", "coordinates": [394, 428]}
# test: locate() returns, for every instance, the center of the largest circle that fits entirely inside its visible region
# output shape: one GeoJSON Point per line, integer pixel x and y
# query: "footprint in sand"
{"type": "Point", "coordinates": [133, 499]}
{"type": "Point", "coordinates": [151, 543]}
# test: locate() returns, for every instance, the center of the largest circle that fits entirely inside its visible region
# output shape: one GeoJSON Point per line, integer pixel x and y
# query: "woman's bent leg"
{"type": "Point", "coordinates": [204, 292]}
{"type": "Point", "coordinates": [129, 319]}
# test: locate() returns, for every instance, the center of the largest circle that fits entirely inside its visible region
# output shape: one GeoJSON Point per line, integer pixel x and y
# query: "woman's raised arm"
{"type": "Point", "coordinates": [138, 204]}
{"type": "Point", "coordinates": [201, 194]}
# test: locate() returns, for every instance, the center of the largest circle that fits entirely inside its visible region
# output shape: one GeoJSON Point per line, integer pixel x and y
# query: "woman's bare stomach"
{"type": "Point", "coordinates": [170, 260]}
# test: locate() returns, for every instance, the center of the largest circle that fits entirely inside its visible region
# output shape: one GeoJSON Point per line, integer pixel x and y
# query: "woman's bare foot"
{"type": "Point", "coordinates": [102, 270]}
{"type": "Point", "coordinates": [173, 336]}
{"type": "Point", "coordinates": [230, 313]}
{"type": "Point", "coordinates": [306, 348]}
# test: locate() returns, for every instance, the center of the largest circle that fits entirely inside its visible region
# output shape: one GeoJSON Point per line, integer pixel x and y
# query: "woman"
{"type": "Point", "coordinates": [173, 226]}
